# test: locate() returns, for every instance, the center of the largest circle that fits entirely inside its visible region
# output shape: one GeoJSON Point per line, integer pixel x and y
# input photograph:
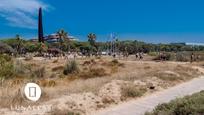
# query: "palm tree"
{"type": "Point", "coordinates": [63, 37]}
{"type": "Point", "coordinates": [92, 40]}
{"type": "Point", "coordinates": [19, 40]}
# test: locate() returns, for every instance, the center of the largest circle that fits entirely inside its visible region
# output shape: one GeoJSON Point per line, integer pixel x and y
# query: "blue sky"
{"type": "Point", "coordinates": [146, 20]}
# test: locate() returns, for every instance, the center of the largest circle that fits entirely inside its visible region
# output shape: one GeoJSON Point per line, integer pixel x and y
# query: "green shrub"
{"type": "Point", "coordinates": [71, 67]}
{"type": "Point", "coordinates": [183, 56]}
{"type": "Point", "coordinates": [189, 105]}
{"type": "Point", "coordinates": [19, 67]}
{"type": "Point", "coordinates": [168, 56]}
{"type": "Point", "coordinates": [6, 67]}
{"type": "Point", "coordinates": [115, 62]}
{"type": "Point", "coordinates": [131, 91]}
{"type": "Point", "coordinates": [6, 57]}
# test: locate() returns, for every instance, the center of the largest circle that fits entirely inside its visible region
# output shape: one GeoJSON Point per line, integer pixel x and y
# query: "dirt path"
{"type": "Point", "coordinates": [140, 106]}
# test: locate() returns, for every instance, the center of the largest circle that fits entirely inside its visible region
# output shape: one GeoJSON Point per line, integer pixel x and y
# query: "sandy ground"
{"type": "Point", "coordinates": [148, 103]}
{"type": "Point", "coordinates": [87, 95]}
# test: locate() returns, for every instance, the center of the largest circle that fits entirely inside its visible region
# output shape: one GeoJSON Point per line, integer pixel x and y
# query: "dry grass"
{"type": "Point", "coordinates": [132, 91]}
{"type": "Point", "coordinates": [96, 73]}
{"type": "Point", "coordinates": [65, 112]}
{"type": "Point", "coordinates": [71, 67]}
{"type": "Point", "coordinates": [46, 83]}
{"type": "Point", "coordinates": [12, 94]}
{"type": "Point", "coordinates": [92, 72]}
{"type": "Point", "coordinates": [55, 61]}
{"type": "Point", "coordinates": [58, 68]}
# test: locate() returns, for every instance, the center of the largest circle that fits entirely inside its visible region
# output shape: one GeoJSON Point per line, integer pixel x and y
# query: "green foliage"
{"type": "Point", "coordinates": [6, 67]}
{"type": "Point", "coordinates": [71, 67]}
{"type": "Point", "coordinates": [42, 47]}
{"type": "Point", "coordinates": [189, 105]}
{"type": "Point", "coordinates": [169, 56]}
{"type": "Point", "coordinates": [92, 38]}
{"type": "Point", "coordinates": [31, 47]}
{"type": "Point", "coordinates": [91, 46]}
{"type": "Point", "coordinates": [5, 48]}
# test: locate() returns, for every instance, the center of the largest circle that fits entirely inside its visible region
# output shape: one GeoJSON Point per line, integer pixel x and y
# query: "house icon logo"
{"type": "Point", "coordinates": [32, 91]}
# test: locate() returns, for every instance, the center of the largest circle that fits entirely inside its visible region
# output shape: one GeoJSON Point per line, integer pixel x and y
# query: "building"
{"type": "Point", "coordinates": [195, 44]}
{"type": "Point", "coordinates": [54, 38]}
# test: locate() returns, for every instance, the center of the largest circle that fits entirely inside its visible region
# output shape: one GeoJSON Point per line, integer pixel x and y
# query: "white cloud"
{"type": "Point", "coordinates": [21, 13]}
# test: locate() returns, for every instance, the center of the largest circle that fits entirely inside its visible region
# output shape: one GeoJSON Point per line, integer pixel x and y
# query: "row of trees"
{"type": "Point", "coordinates": [91, 46]}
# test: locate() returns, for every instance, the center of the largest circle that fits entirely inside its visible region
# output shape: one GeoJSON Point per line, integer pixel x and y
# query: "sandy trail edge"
{"type": "Point", "coordinates": [148, 103]}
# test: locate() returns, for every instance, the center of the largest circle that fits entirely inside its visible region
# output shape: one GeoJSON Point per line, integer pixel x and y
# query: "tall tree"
{"type": "Point", "coordinates": [63, 37]}
{"type": "Point", "coordinates": [40, 27]}
{"type": "Point", "coordinates": [92, 40]}
{"type": "Point", "coordinates": [19, 41]}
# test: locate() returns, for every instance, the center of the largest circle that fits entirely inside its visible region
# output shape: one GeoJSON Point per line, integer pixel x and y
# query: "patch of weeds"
{"type": "Point", "coordinates": [71, 67]}
{"type": "Point", "coordinates": [47, 83]}
{"type": "Point", "coordinates": [58, 68]}
{"type": "Point", "coordinates": [132, 91]}
{"type": "Point", "coordinates": [38, 73]}
{"type": "Point", "coordinates": [65, 112]}
{"type": "Point", "coordinates": [167, 76]}
{"type": "Point", "coordinates": [115, 62]}
{"type": "Point", "coordinates": [147, 67]}
{"type": "Point", "coordinates": [93, 72]}
{"type": "Point", "coordinates": [189, 105]}
{"type": "Point", "coordinates": [55, 61]}
{"type": "Point", "coordinates": [6, 67]}
{"type": "Point", "coordinates": [114, 69]}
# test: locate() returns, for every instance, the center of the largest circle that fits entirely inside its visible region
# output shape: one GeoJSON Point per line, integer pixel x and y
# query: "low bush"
{"type": "Point", "coordinates": [168, 76]}
{"type": "Point", "coordinates": [19, 67]}
{"type": "Point", "coordinates": [55, 61]}
{"type": "Point", "coordinates": [38, 73]}
{"type": "Point", "coordinates": [153, 53]}
{"type": "Point", "coordinates": [65, 112]}
{"type": "Point", "coordinates": [46, 83]}
{"type": "Point", "coordinates": [115, 62]}
{"type": "Point", "coordinates": [97, 72]}
{"type": "Point", "coordinates": [6, 67]}
{"type": "Point", "coordinates": [93, 72]}
{"type": "Point", "coordinates": [167, 56]}
{"type": "Point", "coordinates": [132, 91]}
{"type": "Point", "coordinates": [189, 105]}
{"type": "Point", "coordinates": [58, 68]}
{"type": "Point", "coordinates": [183, 56]}
{"type": "Point", "coordinates": [71, 67]}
